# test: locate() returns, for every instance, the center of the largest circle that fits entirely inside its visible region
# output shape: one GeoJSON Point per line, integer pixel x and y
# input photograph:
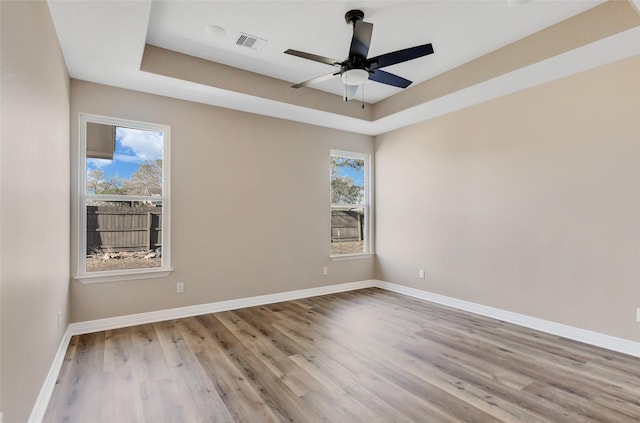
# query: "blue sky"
{"type": "Point", "coordinates": [357, 176]}
{"type": "Point", "coordinates": [133, 146]}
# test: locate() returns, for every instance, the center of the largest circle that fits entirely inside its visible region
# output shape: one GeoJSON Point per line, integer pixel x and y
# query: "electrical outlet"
{"type": "Point", "coordinates": [59, 322]}
{"type": "Point", "coordinates": [180, 287]}
{"type": "Point", "coordinates": [325, 271]}
{"type": "Point", "coordinates": [421, 274]}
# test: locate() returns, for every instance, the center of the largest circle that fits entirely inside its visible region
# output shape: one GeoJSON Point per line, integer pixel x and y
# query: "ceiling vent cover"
{"type": "Point", "coordinates": [250, 41]}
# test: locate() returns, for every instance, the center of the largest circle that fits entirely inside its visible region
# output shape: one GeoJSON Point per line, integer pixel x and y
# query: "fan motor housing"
{"type": "Point", "coordinates": [353, 16]}
{"type": "Point", "coordinates": [347, 66]}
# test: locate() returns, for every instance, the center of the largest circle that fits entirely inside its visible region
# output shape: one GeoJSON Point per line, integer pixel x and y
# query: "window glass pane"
{"type": "Point", "coordinates": [347, 180]}
{"type": "Point", "coordinates": [128, 163]}
{"type": "Point", "coordinates": [123, 235]}
{"type": "Point", "coordinates": [347, 231]}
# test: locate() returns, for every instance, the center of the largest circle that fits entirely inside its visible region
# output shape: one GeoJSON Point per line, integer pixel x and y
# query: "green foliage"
{"type": "Point", "coordinates": [344, 191]}
{"type": "Point", "coordinates": [343, 188]}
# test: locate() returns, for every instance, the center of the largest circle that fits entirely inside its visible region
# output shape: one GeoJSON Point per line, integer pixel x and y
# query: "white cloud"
{"type": "Point", "coordinates": [98, 163]}
{"type": "Point", "coordinates": [126, 158]}
{"type": "Point", "coordinates": [144, 145]}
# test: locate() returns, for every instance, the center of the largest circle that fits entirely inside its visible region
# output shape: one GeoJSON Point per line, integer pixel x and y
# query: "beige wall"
{"type": "Point", "coordinates": [528, 203]}
{"type": "Point", "coordinates": [257, 186]}
{"type": "Point", "coordinates": [34, 195]}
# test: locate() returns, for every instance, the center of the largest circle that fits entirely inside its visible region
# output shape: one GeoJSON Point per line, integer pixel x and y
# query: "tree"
{"type": "Point", "coordinates": [96, 184]}
{"type": "Point", "coordinates": [147, 180]}
{"type": "Point", "coordinates": [94, 180]}
{"type": "Point", "coordinates": [343, 188]}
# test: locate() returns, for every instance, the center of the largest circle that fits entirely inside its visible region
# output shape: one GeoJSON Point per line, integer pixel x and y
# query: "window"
{"type": "Point", "coordinates": [123, 185]}
{"type": "Point", "coordinates": [350, 204]}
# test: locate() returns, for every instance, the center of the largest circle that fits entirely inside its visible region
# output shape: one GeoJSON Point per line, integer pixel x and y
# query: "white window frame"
{"type": "Point", "coordinates": [126, 274]}
{"type": "Point", "coordinates": [366, 205]}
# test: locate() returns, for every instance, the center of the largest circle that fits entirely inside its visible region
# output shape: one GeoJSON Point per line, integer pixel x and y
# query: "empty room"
{"type": "Point", "coordinates": [320, 211]}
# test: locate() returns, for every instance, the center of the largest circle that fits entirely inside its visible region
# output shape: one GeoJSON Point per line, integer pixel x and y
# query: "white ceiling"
{"type": "Point", "coordinates": [459, 31]}
{"type": "Point", "coordinates": [103, 42]}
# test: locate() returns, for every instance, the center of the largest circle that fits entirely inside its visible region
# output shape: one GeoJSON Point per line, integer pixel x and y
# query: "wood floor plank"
{"type": "Point", "coordinates": [191, 379]}
{"type": "Point", "coordinates": [240, 398]}
{"type": "Point", "coordinates": [84, 381]}
{"type": "Point", "coordinates": [472, 370]}
{"type": "Point", "coordinates": [361, 356]}
{"type": "Point", "coordinates": [155, 386]}
{"type": "Point", "coordinates": [568, 387]}
{"type": "Point", "coordinates": [120, 393]}
{"type": "Point", "coordinates": [269, 353]}
{"type": "Point", "coordinates": [239, 395]}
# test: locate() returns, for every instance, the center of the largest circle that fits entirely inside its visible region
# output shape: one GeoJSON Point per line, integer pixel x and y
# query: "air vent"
{"type": "Point", "coordinates": [250, 41]}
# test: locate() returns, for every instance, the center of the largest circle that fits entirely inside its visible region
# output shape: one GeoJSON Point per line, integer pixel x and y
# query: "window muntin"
{"type": "Point", "coordinates": [124, 199]}
{"type": "Point", "coordinates": [350, 210]}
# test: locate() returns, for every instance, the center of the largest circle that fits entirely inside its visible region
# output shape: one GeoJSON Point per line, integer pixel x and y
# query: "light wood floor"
{"type": "Point", "coordinates": [361, 356]}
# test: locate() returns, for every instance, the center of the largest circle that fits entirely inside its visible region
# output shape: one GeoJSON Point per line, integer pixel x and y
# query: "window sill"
{"type": "Point", "coordinates": [114, 276]}
{"type": "Point", "coordinates": [345, 257]}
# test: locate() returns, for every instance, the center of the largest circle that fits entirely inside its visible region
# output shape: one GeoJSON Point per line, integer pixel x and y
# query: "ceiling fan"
{"type": "Point", "coordinates": [357, 68]}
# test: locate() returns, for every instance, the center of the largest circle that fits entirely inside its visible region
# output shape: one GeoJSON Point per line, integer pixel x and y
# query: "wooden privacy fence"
{"type": "Point", "coordinates": [123, 228]}
{"type": "Point", "coordinates": [347, 225]}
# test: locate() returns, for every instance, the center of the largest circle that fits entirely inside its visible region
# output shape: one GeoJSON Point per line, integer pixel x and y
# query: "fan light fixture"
{"type": "Point", "coordinates": [355, 76]}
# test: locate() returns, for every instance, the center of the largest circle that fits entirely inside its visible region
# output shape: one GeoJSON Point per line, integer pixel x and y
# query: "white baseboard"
{"type": "Point", "coordinates": [40, 407]}
{"type": "Point", "coordinates": [588, 337]}
{"type": "Point", "coordinates": [196, 310]}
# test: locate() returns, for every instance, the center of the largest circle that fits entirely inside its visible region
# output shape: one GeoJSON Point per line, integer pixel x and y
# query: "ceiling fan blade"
{"type": "Point", "coordinates": [400, 56]}
{"type": "Point", "coordinates": [314, 57]}
{"type": "Point", "coordinates": [388, 78]}
{"type": "Point", "coordinates": [315, 80]}
{"type": "Point", "coordinates": [361, 40]}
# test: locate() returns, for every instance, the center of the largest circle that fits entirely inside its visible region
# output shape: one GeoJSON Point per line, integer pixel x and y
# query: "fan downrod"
{"type": "Point", "coordinates": [353, 16]}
